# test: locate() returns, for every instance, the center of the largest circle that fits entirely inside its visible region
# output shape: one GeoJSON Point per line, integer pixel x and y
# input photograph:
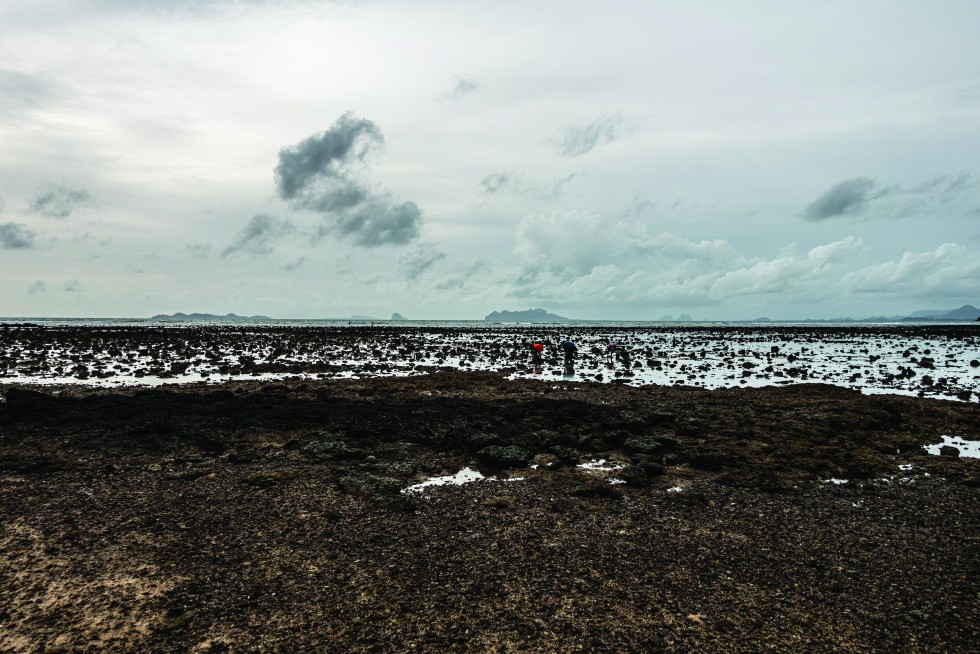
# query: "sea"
{"type": "Point", "coordinates": [923, 358]}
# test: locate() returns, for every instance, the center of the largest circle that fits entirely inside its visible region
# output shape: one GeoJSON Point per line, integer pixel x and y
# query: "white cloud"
{"type": "Point", "coordinates": [419, 260]}
{"type": "Point", "coordinates": [949, 270]}
{"type": "Point", "coordinates": [815, 275]}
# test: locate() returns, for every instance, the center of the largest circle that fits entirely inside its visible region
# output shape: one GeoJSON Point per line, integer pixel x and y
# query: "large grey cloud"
{"type": "Point", "coordinates": [16, 236]}
{"type": "Point", "coordinates": [37, 286]}
{"type": "Point", "coordinates": [950, 194]}
{"type": "Point", "coordinates": [576, 140]}
{"type": "Point", "coordinates": [59, 201]}
{"type": "Point", "coordinates": [849, 197]}
{"type": "Point", "coordinates": [320, 174]}
{"type": "Point", "coordinates": [258, 236]}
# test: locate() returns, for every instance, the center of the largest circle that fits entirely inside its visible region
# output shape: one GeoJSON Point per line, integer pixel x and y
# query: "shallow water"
{"type": "Point", "coordinates": [932, 361]}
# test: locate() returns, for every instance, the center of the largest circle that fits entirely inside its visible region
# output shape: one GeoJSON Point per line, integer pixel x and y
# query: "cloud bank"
{"type": "Point", "coordinates": [320, 174]}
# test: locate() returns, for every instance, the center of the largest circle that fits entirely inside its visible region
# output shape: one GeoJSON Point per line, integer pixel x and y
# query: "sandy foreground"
{"type": "Point", "coordinates": [273, 516]}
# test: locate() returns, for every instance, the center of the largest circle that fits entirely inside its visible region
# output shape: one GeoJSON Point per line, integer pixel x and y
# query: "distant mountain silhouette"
{"type": "Point", "coordinates": [531, 315]}
{"type": "Point", "coordinates": [965, 312]}
{"type": "Point", "coordinates": [206, 317]}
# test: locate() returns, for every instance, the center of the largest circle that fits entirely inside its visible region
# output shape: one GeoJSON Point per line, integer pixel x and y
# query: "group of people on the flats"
{"type": "Point", "coordinates": [568, 349]}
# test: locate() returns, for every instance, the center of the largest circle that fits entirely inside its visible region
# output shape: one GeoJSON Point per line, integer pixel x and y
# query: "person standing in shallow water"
{"type": "Point", "coordinates": [569, 349]}
{"type": "Point", "coordinates": [537, 351]}
{"type": "Point", "coordinates": [619, 353]}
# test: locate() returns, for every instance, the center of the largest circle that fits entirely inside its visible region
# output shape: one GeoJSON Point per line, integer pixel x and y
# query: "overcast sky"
{"type": "Point", "coordinates": [627, 160]}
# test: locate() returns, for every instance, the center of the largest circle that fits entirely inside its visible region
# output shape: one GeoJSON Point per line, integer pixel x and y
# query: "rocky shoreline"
{"type": "Point", "coordinates": [272, 516]}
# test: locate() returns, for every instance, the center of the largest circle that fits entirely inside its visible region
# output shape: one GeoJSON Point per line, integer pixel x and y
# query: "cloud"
{"type": "Point", "coordinates": [949, 270]}
{"type": "Point", "coordinates": [259, 234]}
{"type": "Point", "coordinates": [458, 280]}
{"type": "Point", "coordinates": [579, 256]}
{"type": "Point", "coordinates": [199, 250]}
{"type": "Point", "coordinates": [813, 275]}
{"type": "Point", "coordinates": [576, 140]}
{"type": "Point", "coordinates": [638, 207]}
{"type": "Point", "coordinates": [461, 86]}
{"type": "Point", "coordinates": [37, 286]}
{"type": "Point", "coordinates": [325, 156]}
{"type": "Point", "coordinates": [16, 236]}
{"type": "Point", "coordinates": [295, 264]}
{"type": "Point", "coordinates": [420, 260]}
{"type": "Point", "coordinates": [849, 197]}
{"type": "Point", "coordinates": [515, 184]}
{"type": "Point", "coordinates": [72, 286]}
{"type": "Point", "coordinates": [20, 91]}
{"type": "Point", "coordinates": [951, 194]}
{"type": "Point", "coordinates": [320, 174]}
{"type": "Point", "coordinates": [59, 201]}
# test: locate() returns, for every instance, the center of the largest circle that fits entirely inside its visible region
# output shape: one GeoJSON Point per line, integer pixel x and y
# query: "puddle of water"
{"type": "Point", "coordinates": [464, 476]}
{"type": "Point", "coordinates": [967, 448]}
{"type": "Point", "coordinates": [600, 465]}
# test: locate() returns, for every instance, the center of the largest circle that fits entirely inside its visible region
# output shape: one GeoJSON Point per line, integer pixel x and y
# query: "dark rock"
{"type": "Point", "coordinates": [509, 456]}
{"type": "Point", "coordinates": [331, 449]}
{"type": "Point", "coordinates": [634, 475]}
{"type": "Point", "coordinates": [710, 461]}
{"type": "Point", "coordinates": [649, 444]}
{"type": "Point", "coordinates": [949, 450]}
{"type": "Point", "coordinates": [566, 454]}
{"type": "Point", "coordinates": [616, 437]}
{"type": "Point", "coordinates": [595, 487]}
{"type": "Point", "coordinates": [653, 469]}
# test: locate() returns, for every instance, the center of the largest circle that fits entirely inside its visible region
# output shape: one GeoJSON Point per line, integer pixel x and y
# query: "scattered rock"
{"type": "Point", "coordinates": [509, 456]}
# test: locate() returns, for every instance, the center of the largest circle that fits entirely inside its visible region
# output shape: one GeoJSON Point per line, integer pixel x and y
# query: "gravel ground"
{"type": "Point", "coordinates": [271, 516]}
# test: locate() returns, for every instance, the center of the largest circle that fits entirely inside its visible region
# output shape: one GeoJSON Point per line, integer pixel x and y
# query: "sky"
{"type": "Point", "coordinates": [442, 160]}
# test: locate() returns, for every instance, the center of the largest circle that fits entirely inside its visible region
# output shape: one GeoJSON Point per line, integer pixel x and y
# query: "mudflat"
{"type": "Point", "coordinates": [274, 516]}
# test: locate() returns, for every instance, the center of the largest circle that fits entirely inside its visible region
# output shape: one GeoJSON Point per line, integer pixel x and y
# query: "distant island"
{"type": "Point", "coordinates": [965, 312]}
{"type": "Point", "coordinates": [531, 315]}
{"type": "Point", "coordinates": [398, 316]}
{"type": "Point", "coordinates": [206, 317]}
